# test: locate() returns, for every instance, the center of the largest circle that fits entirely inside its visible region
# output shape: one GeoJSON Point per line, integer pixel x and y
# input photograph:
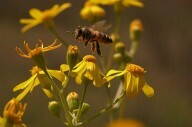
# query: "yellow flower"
{"type": "Point", "coordinates": [134, 81]}
{"type": "Point", "coordinates": [12, 114]}
{"type": "Point", "coordinates": [92, 12]}
{"type": "Point", "coordinates": [126, 123]}
{"type": "Point", "coordinates": [37, 53]}
{"type": "Point", "coordinates": [125, 3]}
{"type": "Point", "coordinates": [39, 78]}
{"type": "Point", "coordinates": [45, 16]}
{"type": "Point", "coordinates": [87, 68]}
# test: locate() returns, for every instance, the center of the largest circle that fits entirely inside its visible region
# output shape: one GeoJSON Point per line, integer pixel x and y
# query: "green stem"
{"type": "Point", "coordinates": [116, 33]}
{"type": "Point", "coordinates": [110, 101]}
{"type": "Point", "coordinates": [82, 100]}
{"type": "Point", "coordinates": [62, 99]}
{"type": "Point", "coordinates": [104, 110]}
{"type": "Point", "coordinates": [133, 48]}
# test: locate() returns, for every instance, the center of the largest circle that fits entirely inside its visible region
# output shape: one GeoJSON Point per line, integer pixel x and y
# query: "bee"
{"type": "Point", "coordinates": [93, 35]}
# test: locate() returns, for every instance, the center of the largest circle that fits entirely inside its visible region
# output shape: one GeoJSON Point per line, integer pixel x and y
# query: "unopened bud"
{"type": "Point", "coordinates": [85, 108]}
{"type": "Point", "coordinates": [55, 108]}
{"type": "Point", "coordinates": [119, 47]}
{"type": "Point", "coordinates": [115, 37]}
{"type": "Point", "coordinates": [136, 28]}
{"type": "Point", "coordinates": [72, 55]}
{"type": "Point", "coordinates": [73, 100]}
{"type": "Point", "coordinates": [118, 57]}
{"type": "Point", "coordinates": [91, 12]}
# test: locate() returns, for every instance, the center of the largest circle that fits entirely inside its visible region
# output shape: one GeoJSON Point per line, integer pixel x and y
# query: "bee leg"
{"type": "Point", "coordinates": [98, 48]}
{"type": "Point", "coordinates": [93, 46]}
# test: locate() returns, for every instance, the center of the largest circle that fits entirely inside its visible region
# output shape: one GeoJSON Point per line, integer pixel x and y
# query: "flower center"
{"type": "Point", "coordinates": [72, 95]}
{"type": "Point", "coordinates": [135, 69]}
{"type": "Point", "coordinates": [35, 52]}
{"type": "Point", "coordinates": [35, 70]}
{"type": "Point", "coordinates": [89, 58]}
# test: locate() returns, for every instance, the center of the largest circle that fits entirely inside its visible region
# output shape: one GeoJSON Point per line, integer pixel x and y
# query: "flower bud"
{"type": "Point", "coordinates": [118, 57]}
{"type": "Point", "coordinates": [72, 55]}
{"type": "Point", "coordinates": [55, 108]}
{"type": "Point", "coordinates": [85, 108]}
{"type": "Point", "coordinates": [92, 12]}
{"type": "Point", "coordinates": [115, 37]}
{"type": "Point", "coordinates": [73, 100]}
{"type": "Point", "coordinates": [119, 47]}
{"type": "Point", "coordinates": [136, 28]}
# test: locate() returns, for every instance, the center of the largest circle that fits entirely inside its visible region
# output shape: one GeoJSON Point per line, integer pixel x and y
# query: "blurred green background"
{"type": "Point", "coordinates": [165, 52]}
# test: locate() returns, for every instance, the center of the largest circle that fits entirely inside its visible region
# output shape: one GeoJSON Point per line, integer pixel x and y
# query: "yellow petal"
{"type": "Point", "coordinates": [26, 21]}
{"type": "Point", "coordinates": [35, 83]}
{"type": "Point", "coordinates": [64, 67]}
{"type": "Point", "coordinates": [113, 74]}
{"type": "Point", "coordinates": [148, 90]}
{"type": "Point", "coordinates": [80, 75]}
{"type": "Point", "coordinates": [90, 68]}
{"type": "Point", "coordinates": [130, 85]}
{"type": "Point", "coordinates": [29, 26]}
{"type": "Point", "coordinates": [135, 3]}
{"type": "Point", "coordinates": [24, 84]}
{"type": "Point", "coordinates": [35, 13]}
{"type": "Point", "coordinates": [57, 74]}
{"type": "Point", "coordinates": [98, 78]}
{"type": "Point", "coordinates": [1, 122]}
{"type": "Point", "coordinates": [24, 92]}
{"type": "Point", "coordinates": [47, 93]}
{"type": "Point", "coordinates": [80, 66]}
{"type": "Point", "coordinates": [61, 8]}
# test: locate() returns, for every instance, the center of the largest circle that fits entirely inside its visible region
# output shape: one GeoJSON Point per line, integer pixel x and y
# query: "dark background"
{"type": "Point", "coordinates": [165, 52]}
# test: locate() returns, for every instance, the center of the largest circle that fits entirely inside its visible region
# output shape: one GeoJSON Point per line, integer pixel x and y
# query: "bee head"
{"type": "Point", "coordinates": [78, 32]}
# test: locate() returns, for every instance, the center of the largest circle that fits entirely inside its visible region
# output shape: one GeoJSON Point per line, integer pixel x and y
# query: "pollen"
{"type": "Point", "coordinates": [89, 58]}
{"type": "Point", "coordinates": [133, 68]}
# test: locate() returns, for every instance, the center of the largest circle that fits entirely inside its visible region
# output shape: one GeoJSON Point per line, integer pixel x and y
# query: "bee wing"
{"type": "Point", "coordinates": [101, 26]}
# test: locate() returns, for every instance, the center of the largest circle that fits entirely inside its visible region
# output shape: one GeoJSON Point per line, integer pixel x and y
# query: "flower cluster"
{"type": "Point", "coordinates": [83, 70]}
